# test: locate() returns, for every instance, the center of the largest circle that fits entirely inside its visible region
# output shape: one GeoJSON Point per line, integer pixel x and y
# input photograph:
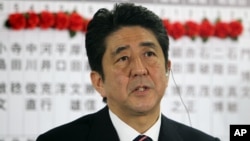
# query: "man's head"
{"type": "Point", "coordinates": [106, 22]}
{"type": "Point", "coordinates": [128, 55]}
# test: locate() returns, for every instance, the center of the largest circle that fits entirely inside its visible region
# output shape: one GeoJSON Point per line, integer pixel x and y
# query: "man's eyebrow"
{"type": "Point", "coordinates": [142, 44]}
{"type": "Point", "coordinates": [148, 44]}
{"type": "Point", "coordinates": [119, 50]}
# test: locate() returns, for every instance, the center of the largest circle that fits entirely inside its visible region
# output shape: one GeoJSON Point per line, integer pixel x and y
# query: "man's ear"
{"type": "Point", "coordinates": [98, 82]}
{"type": "Point", "coordinates": [168, 67]}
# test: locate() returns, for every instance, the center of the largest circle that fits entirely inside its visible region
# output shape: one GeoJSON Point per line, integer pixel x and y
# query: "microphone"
{"type": "Point", "coordinates": [179, 93]}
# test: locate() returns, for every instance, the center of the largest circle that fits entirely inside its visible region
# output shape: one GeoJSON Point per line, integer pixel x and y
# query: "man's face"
{"type": "Point", "coordinates": [134, 71]}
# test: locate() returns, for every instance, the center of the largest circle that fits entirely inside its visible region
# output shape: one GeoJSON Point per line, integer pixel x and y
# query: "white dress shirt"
{"type": "Point", "coordinates": [127, 133]}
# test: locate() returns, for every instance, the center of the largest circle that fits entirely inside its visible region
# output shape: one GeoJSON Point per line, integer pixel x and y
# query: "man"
{"type": "Point", "coordinates": [127, 50]}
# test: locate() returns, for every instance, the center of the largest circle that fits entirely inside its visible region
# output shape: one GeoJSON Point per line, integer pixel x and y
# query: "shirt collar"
{"type": "Point", "coordinates": [126, 132]}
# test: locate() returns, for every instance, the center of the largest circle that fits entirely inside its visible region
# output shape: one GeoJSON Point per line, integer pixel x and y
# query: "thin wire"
{"type": "Point", "coordinates": [179, 93]}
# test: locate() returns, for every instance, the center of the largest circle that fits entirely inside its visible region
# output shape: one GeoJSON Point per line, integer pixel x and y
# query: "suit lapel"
{"type": "Point", "coordinates": [168, 131]}
{"type": "Point", "coordinates": [102, 127]}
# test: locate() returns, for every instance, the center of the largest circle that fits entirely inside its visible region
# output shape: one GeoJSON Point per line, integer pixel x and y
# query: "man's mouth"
{"type": "Point", "coordinates": [141, 88]}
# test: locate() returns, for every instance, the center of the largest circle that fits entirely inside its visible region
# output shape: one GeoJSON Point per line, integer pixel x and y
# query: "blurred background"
{"type": "Point", "coordinates": [44, 72]}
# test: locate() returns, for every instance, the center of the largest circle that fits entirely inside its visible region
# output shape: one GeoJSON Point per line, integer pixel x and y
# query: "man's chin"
{"type": "Point", "coordinates": [143, 109]}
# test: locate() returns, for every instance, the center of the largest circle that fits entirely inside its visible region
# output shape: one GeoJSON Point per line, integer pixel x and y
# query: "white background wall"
{"type": "Point", "coordinates": [50, 86]}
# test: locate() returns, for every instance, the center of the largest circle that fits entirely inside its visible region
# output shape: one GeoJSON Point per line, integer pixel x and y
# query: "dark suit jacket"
{"type": "Point", "coordinates": [98, 126]}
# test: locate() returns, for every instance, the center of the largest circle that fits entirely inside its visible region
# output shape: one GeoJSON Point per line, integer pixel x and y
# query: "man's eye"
{"type": "Point", "coordinates": [123, 58]}
{"type": "Point", "coordinates": [148, 54]}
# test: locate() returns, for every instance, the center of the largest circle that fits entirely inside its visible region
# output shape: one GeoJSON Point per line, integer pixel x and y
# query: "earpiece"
{"type": "Point", "coordinates": [167, 73]}
{"type": "Point", "coordinates": [179, 93]}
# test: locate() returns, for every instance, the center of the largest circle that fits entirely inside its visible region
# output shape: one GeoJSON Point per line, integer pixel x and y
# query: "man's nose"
{"type": "Point", "coordinates": [138, 68]}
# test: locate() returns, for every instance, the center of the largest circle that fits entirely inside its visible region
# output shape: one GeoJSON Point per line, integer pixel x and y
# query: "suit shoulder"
{"type": "Point", "coordinates": [189, 133]}
{"type": "Point", "coordinates": [75, 130]}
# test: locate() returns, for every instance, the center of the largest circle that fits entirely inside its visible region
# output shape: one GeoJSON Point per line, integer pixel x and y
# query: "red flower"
{"type": "Point", "coordinates": [46, 20]}
{"type": "Point", "coordinates": [85, 25]}
{"type": "Point", "coordinates": [32, 20]}
{"type": "Point", "coordinates": [177, 30]}
{"type": "Point", "coordinates": [236, 29]}
{"type": "Point", "coordinates": [61, 20]}
{"type": "Point", "coordinates": [167, 25]}
{"type": "Point", "coordinates": [222, 29]}
{"type": "Point", "coordinates": [17, 21]}
{"type": "Point", "coordinates": [206, 29]}
{"type": "Point", "coordinates": [192, 29]}
{"type": "Point", "coordinates": [75, 22]}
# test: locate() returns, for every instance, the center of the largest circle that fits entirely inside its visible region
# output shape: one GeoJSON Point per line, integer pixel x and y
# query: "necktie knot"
{"type": "Point", "coordinates": [142, 138]}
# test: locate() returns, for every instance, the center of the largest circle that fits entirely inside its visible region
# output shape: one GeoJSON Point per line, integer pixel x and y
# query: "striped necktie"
{"type": "Point", "coordinates": [142, 138]}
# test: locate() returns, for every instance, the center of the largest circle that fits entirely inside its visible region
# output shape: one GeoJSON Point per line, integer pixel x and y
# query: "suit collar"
{"type": "Point", "coordinates": [168, 131]}
{"type": "Point", "coordinates": [102, 127]}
